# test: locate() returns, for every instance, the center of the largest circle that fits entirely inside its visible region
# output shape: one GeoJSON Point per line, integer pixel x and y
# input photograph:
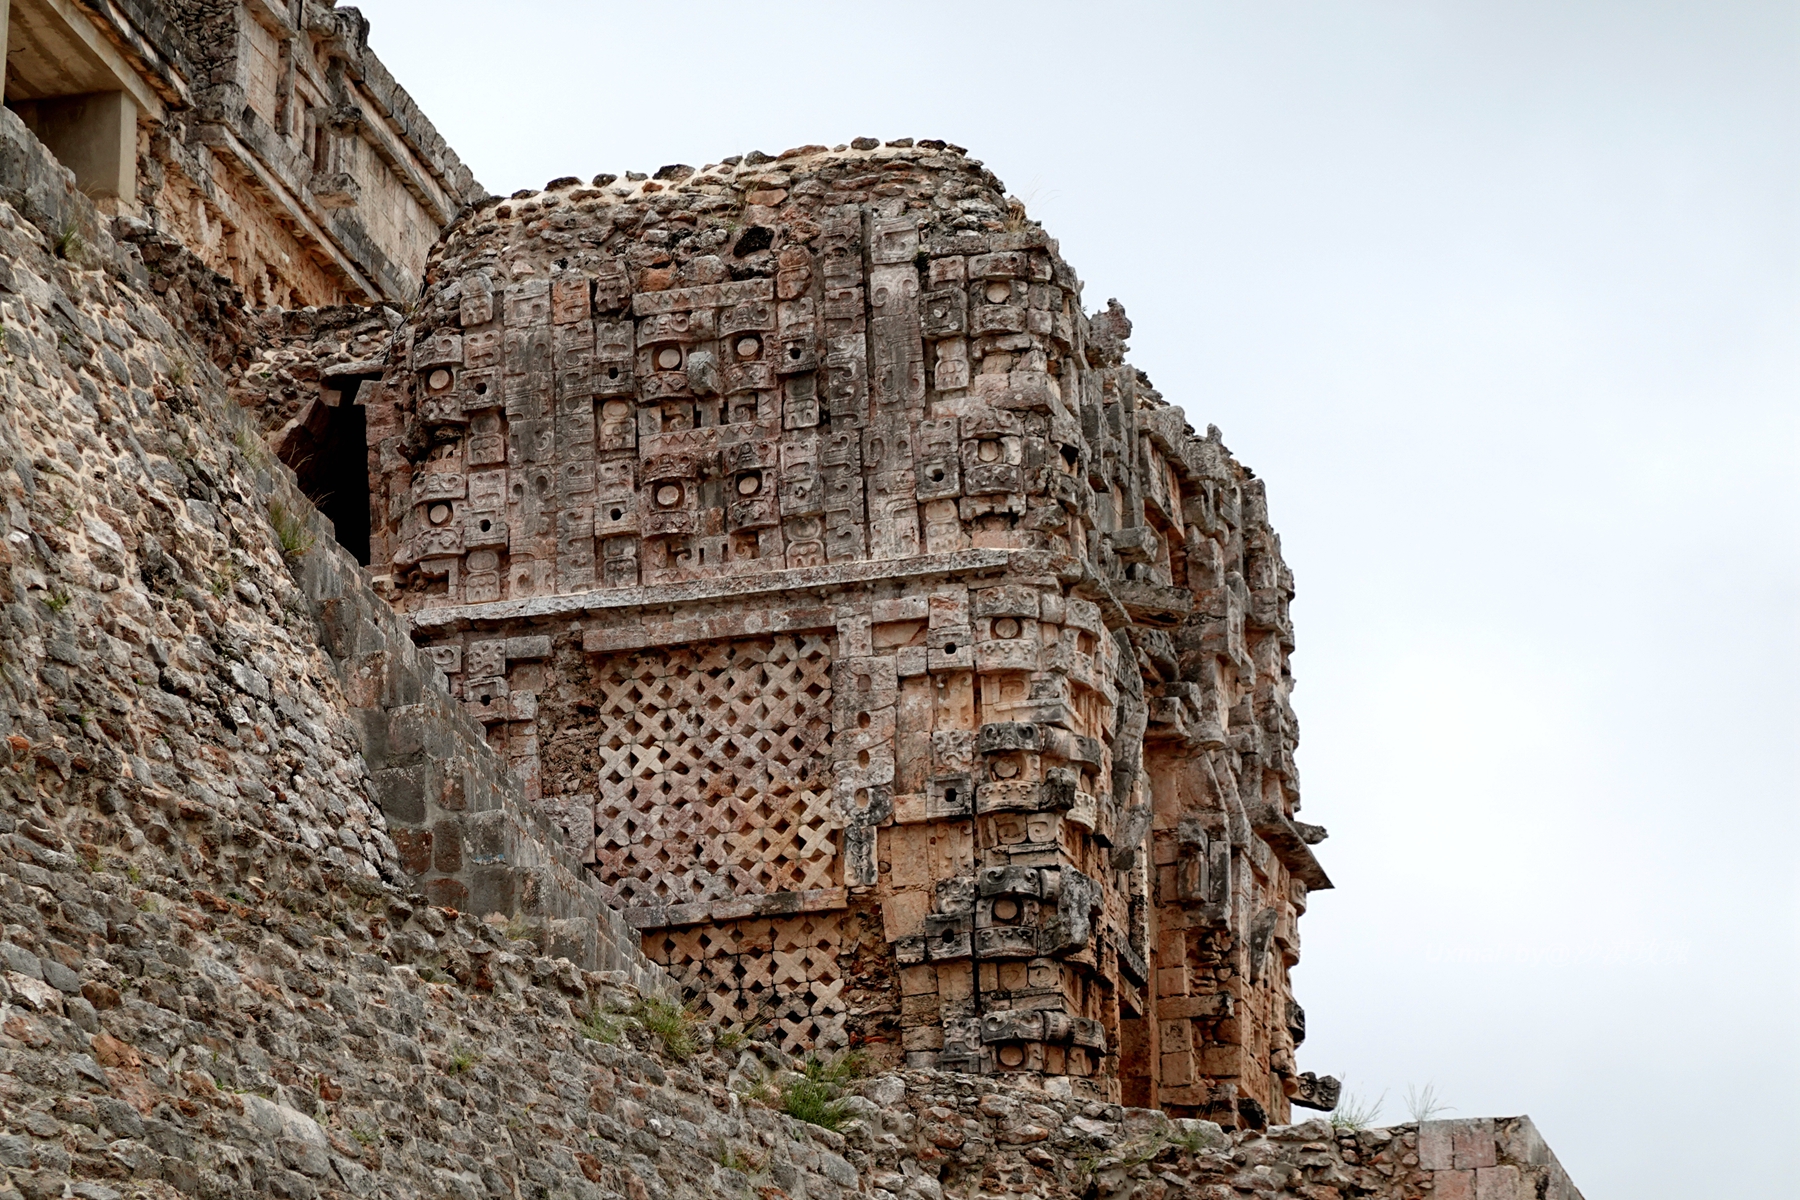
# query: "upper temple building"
{"type": "Point", "coordinates": [903, 666]}
{"type": "Point", "coordinates": [262, 134]}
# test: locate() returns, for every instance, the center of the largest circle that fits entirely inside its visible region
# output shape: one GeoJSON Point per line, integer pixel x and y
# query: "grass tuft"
{"type": "Point", "coordinates": [734, 1039]}
{"type": "Point", "coordinates": [290, 531]}
{"type": "Point", "coordinates": [816, 1094]}
{"type": "Point", "coordinates": [672, 1024]}
{"type": "Point", "coordinates": [733, 1158]}
{"type": "Point", "coordinates": [1354, 1113]}
{"type": "Point", "coordinates": [224, 578]}
{"type": "Point", "coordinates": [69, 244]}
{"type": "Point", "coordinates": [1423, 1103]}
{"type": "Point", "coordinates": [461, 1059]}
{"type": "Point", "coordinates": [1193, 1141]}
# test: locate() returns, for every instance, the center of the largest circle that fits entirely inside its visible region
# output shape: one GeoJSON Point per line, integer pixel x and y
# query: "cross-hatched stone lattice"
{"type": "Point", "coordinates": [714, 777]}
{"type": "Point", "coordinates": [782, 974]}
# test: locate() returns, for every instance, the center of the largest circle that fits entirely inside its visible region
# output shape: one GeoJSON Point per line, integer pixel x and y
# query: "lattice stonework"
{"type": "Point", "coordinates": [714, 776]}
{"type": "Point", "coordinates": [782, 974]}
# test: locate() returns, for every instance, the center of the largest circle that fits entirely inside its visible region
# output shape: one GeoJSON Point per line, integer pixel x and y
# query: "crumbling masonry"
{"type": "Point", "coordinates": [832, 616]}
{"type": "Point", "coordinates": [910, 673]}
{"type": "Point", "coordinates": [898, 663]}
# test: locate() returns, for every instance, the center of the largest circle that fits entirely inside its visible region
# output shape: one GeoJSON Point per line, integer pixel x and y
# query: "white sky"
{"type": "Point", "coordinates": [1500, 298]}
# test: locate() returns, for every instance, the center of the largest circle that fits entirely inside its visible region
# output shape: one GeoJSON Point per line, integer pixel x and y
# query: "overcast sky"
{"type": "Point", "coordinates": [1501, 299]}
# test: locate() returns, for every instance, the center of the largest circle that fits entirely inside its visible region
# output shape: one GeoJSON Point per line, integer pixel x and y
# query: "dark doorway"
{"type": "Point", "coordinates": [327, 449]}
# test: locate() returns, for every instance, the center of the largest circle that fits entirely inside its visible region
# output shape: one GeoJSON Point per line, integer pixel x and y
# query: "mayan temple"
{"type": "Point", "coordinates": [500, 696]}
{"type": "Point", "coordinates": [907, 670]}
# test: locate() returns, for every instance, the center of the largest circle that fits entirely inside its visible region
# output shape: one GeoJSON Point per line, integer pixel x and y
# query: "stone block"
{"type": "Point", "coordinates": [1454, 1185]}
{"type": "Point", "coordinates": [1435, 1146]}
{"type": "Point", "coordinates": [415, 850]}
{"type": "Point", "coordinates": [1501, 1183]}
{"type": "Point", "coordinates": [448, 893]}
{"type": "Point", "coordinates": [1519, 1141]}
{"type": "Point", "coordinates": [492, 888]}
{"type": "Point", "coordinates": [1177, 1069]}
{"type": "Point", "coordinates": [446, 843]}
{"type": "Point", "coordinates": [401, 792]}
{"type": "Point", "coordinates": [1472, 1143]}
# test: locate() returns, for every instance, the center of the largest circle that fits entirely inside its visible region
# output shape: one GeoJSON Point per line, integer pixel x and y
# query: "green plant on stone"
{"type": "Point", "coordinates": [252, 447]}
{"type": "Point", "coordinates": [1135, 1154]}
{"type": "Point", "coordinates": [57, 601]}
{"type": "Point", "coordinates": [815, 1095]}
{"type": "Point", "coordinates": [1422, 1104]}
{"type": "Point", "coordinates": [290, 529]}
{"type": "Point", "coordinates": [815, 1103]}
{"type": "Point", "coordinates": [672, 1024]}
{"type": "Point", "coordinates": [461, 1059]}
{"type": "Point", "coordinates": [732, 1039]}
{"type": "Point", "coordinates": [1193, 1141]}
{"type": "Point", "coordinates": [1084, 1172]}
{"type": "Point", "coordinates": [1353, 1112]}
{"type": "Point", "coordinates": [733, 1159]}
{"type": "Point", "coordinates": [223, 578]}
{"type": "Point", "coordinates": [69, 244]}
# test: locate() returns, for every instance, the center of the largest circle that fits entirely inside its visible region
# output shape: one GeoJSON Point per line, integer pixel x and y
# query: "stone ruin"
{"type": "Point", "coordinates": [903, 665]}
{"type": "Point", "coordinates": [764, 585]}
{"type": "Point", "coordinates": [263, 136]}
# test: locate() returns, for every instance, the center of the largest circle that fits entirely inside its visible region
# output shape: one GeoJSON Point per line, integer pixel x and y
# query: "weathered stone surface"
{"type": "Point", "coordinates": [278, 919]}
{"type": "Point", "coordinates": [859, 573]}
{"type": "Point", "coordinates": [267, 138]}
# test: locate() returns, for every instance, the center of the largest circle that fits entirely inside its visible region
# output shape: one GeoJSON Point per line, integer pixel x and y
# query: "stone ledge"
{"type": "Point", "coordinates": [738, 908]}
{"type": "Point", "coordinates": [797, 579]}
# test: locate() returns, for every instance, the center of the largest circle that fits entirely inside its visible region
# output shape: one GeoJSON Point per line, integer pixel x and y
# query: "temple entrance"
{"type": "Point", "coordinates": [326, 447]}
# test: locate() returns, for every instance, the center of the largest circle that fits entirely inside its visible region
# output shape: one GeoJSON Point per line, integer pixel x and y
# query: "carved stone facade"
{"type": "Point", "coordinates": [234, 794]}
{"type": "Point", "coordinates": [264, 135]}
{"type": "Point", "coordinates": [910, 674]}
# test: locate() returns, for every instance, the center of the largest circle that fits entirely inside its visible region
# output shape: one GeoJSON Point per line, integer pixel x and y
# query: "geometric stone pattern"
{"type": "Point", "coordinates": [712, 781]}
{"type": "Point", "coordinates": [780, 975]}
{"type": "Point", "coordinates": [803, 543]}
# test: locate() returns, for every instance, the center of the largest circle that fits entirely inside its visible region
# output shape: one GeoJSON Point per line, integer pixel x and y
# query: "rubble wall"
{"type": "Point", "coordinates": [907, 669]}
{"type": "Point", "coordinates": [449, 802]}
